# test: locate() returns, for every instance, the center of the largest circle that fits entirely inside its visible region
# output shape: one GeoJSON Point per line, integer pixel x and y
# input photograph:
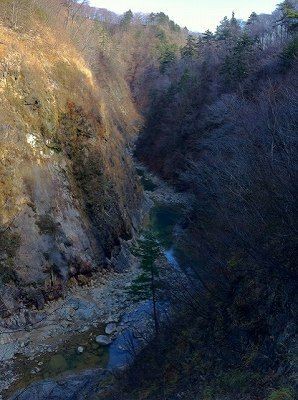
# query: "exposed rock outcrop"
{"type": "Point", "coordinates": [68, 193]}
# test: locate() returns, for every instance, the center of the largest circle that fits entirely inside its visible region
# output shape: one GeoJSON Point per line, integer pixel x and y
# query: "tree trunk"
{"type": "Point", "coordinates": [154, 301]}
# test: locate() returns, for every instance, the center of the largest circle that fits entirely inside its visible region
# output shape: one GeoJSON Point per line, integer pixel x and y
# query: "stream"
{"type": "Point", "coordinates": [80, 361]}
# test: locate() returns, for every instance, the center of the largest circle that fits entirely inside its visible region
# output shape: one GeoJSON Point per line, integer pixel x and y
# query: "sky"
{"type": "Point", "coordinates": [197, 15]}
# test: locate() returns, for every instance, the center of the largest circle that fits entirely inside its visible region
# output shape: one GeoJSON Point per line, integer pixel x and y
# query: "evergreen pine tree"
{"type": "Point", "coordinates": [235, 28]}
{"type": "Point", "coordinates": [208, 36]}
{"type": "Point", "coordinates": [223, 29]}
{"type": "Point", "coordinates": [126, 19]}
{"type": "Point", "coordinates": [237, 63]}
{"type": "Point", "coordinates": [147, 284]}
{"type": "Point", "coordinates": [289, 19]}
{"type": "Point", "coordinates": [167, 54]}
{"type": "Point", "coordinates": [252, 19]}
{"type": "Point", "coordinates": [191, 48]}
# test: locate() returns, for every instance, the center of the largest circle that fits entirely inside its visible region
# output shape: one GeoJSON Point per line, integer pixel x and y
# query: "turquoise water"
{"type": "Point", "coordinates": [162, 219]}
{"type": "Point", "coordinates": [64, 360]}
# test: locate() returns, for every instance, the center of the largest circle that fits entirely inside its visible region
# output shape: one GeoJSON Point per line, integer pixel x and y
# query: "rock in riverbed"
{"type": "Point", "coordinates": [111, 328]}
{"type": "Point", "coordinates": [79, 387]}
{"type": "Point", "coordinates": [103, 340]}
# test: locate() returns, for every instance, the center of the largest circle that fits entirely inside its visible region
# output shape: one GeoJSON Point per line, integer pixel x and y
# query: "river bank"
{"type": "Point", "coordinates": [62, 338]}
{"type": "Point", "coordinates": [67, 324]}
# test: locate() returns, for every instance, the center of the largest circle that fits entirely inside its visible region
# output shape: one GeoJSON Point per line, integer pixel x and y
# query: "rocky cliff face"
{"type": "Point", "coordinates": [68, 192]}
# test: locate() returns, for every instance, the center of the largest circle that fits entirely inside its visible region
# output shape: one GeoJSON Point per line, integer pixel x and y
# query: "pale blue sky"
{"type": "Point", "coordinates": [197, 15]}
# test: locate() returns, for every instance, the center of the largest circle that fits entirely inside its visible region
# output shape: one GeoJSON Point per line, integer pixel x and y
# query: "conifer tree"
{"type": "Point", "coordinates": [167, 55]}
{"type": "Point", "coordinates": [191, 48]}
{"type": "Point", "coordinates": [289, 18]}
{"type": "Point", "coordinates": [147, 284]}
{"type": "Point", "coordinates": [252, 19]}
{"type": "Point", "coordinates": [223, 29]}
{"type": "Point", "coordinates": [126, 19]}
{"type": "Point", "coordinates": [251, 25]}
{"type": "Point", "coordinates": [237, 63]}
{"type": "Point", "coordinates": [235, 28]}
{"type": "Point", "coordinates": [208, 36]}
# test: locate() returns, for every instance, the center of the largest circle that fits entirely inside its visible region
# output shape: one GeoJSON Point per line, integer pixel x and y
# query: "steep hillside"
{"type": "Point", "coordinates": [215, 116]}
{"type": "Point", "coordinates": [225, 131]}
{"type": "Point", "coordinates": [68, 192]}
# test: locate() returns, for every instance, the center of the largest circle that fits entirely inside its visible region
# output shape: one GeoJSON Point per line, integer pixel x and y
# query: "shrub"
{"type": "Point", "coordinates": [289, 54]}
{"type": "Point", "coordinates": [237, 381]}
{"type": "Point", "coordinates": [9, 244]}
{"type": "Point", "coordinates": [281, 394]}
{"type": "Point", "coordinates": [7, 274]}
{"type": "Point", "coordinates": [47, 226]}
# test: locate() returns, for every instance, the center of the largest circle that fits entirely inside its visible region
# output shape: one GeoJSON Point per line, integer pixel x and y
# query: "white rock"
{"type": "Point", "coordinates": [32, 140]}
{"type": "Point", "coordinates": [80, 349]}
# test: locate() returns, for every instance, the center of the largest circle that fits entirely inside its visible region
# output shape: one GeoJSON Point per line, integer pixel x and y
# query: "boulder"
{"type": "Point", "coordinates": [103, 340]}
{"type": "Point", "coordinates": [111, 328]}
